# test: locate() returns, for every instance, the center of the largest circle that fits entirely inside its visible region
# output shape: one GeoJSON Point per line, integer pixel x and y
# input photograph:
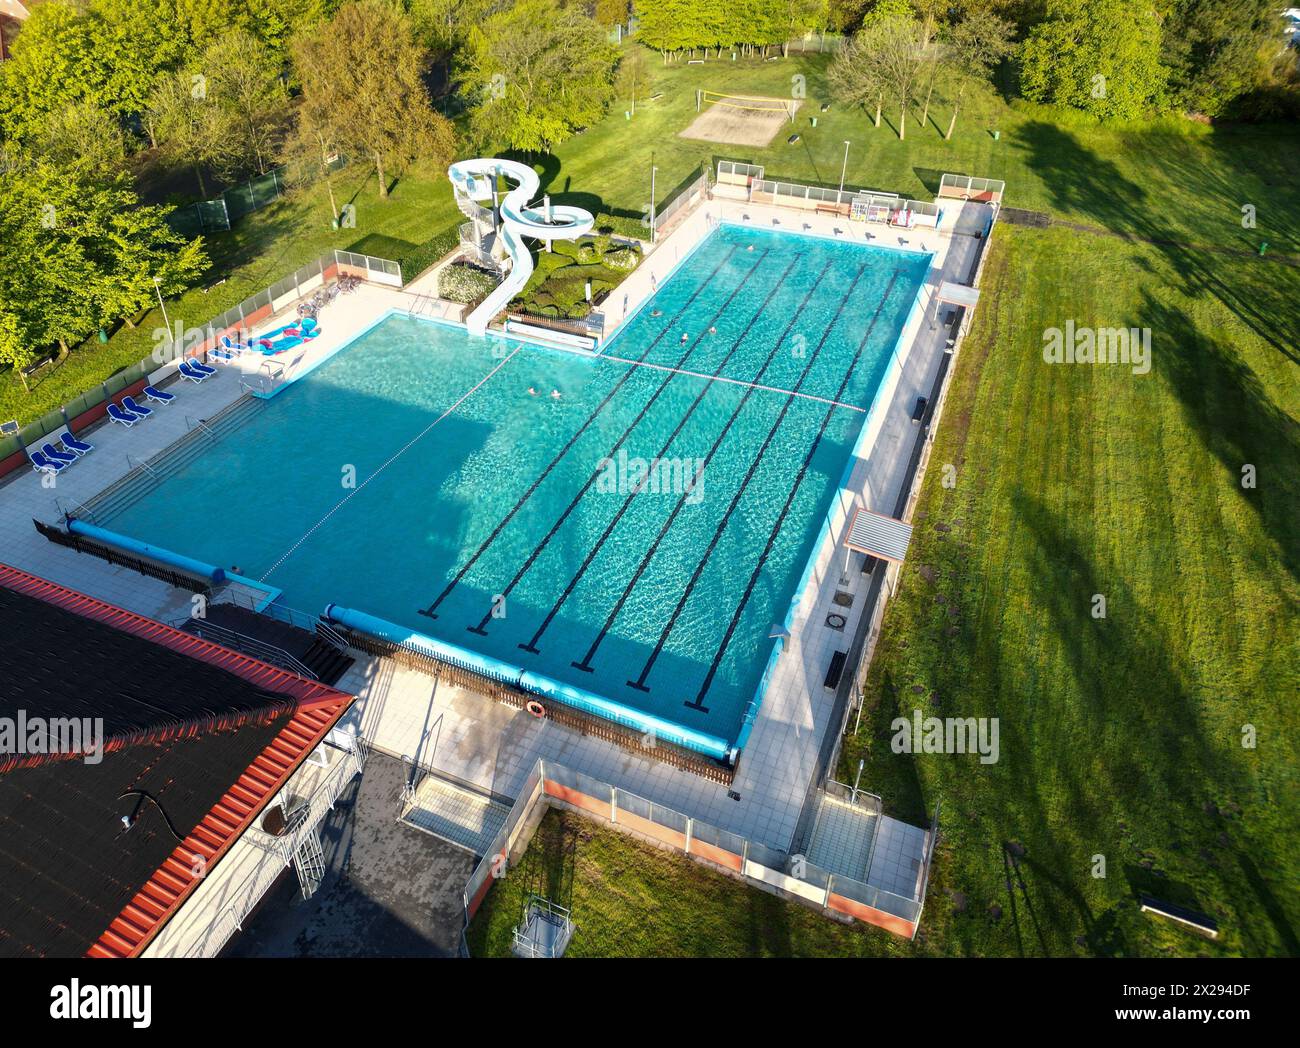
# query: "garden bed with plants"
{"type": "Point", "coordinates": [558, 286]}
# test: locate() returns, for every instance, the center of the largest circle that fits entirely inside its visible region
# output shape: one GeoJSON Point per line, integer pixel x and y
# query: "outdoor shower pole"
{"type": "Point", "coordinates": [653, 169]}
{"type": "Point", "coordinates": [157, 286]}
{"type": "Point", "coordinates": [845, 166]}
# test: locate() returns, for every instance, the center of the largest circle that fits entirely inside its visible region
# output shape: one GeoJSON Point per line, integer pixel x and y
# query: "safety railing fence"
{"type": "Point", "coordinates": [687, 197]}
{"type": "Point", "coordinates": [969, 188]}
{"type": "Point", "coordinates": [240, 901]}
{"type": "Point", "coordinates": [550, 783]}
{"type": "Point", "coordinates": [241, 642]}
{"type": "Point", "coordinates": [733, 173]}
{"type": "Point", "coordinates": [305, 278]}
{"type": "Point", "coordinates": [234, 203]}
{"type": "Point", "coordinates": [89, 406]}
{"type": "Point", "coordinates": [868, 802]}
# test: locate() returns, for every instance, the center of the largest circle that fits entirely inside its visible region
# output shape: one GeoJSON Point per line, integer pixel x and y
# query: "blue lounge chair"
{"type": "Point", "coordinates": [43, 465]}
{"type": "Point", "coordinates": [206, 369]}
{"type": "Point", "coordinates": [125, 418]}
{"type": "Point", "coordinates": [55, 455]}
{"type": "Point", "coordinates": [161, 396]}
{"type": "Point", "coordinates": [77, 447]}
{"type": "Point", "coordinates": [136, 409]}
{"type": "Point", "coordinates": [193, 374]}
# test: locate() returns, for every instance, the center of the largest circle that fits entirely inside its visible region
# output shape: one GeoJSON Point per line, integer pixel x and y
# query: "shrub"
{"type": "Point", "coordinates": [464, 283]}
{"type": "Point", "coordinates": [624, 258]}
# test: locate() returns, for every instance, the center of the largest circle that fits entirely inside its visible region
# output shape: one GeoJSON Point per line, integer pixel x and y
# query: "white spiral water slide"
{"type": "Point", "coordinates": [475, 180]}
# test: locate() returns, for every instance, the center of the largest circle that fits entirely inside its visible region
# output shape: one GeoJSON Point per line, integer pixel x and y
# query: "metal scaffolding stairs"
{"type": "Point", "coordinates": [309, 861]}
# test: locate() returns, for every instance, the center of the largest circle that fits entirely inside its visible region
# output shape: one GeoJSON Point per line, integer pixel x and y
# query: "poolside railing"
{"type": "Point", "coordinates": [550, 784]}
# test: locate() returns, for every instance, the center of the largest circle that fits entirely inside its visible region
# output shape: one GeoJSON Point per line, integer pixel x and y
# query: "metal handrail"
{"type": "Point", "coordinates": [259, 879]}
{"type": "Point", "coordinates": [244, 643]}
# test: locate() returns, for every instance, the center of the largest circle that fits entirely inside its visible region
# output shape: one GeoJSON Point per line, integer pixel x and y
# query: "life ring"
{"type": "Point", "coordinates": [536, 708]}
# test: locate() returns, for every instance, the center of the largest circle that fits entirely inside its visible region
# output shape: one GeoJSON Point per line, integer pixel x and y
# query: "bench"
{"type": "Point", "coordinates": [835, 670]}
{"type": "Point", "coordinates": [829, 209]}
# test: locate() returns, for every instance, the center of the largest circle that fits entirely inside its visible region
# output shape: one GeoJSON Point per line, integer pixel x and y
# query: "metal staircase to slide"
{"type": "Point", "coordinates": [513, 219]}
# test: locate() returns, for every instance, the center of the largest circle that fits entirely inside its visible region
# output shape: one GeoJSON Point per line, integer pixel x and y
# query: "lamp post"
{"type": "Point", "coordinates": [157, 286]}
{"type": "Point", "coordinates": [653, 171]}
{"type": "Point", "coordinates": [845, 166]}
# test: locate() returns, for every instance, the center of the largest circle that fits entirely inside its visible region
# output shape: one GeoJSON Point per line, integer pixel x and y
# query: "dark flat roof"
{"type": "Point", "coordinates": [182, 723]}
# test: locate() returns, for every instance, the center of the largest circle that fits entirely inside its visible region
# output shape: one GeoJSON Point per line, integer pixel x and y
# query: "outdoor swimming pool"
{"type": "Point", "coordinates": [414, 477]}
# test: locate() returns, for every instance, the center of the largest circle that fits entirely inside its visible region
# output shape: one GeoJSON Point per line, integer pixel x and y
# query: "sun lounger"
{"type": "Point", "coordinates": [43, 465]}
{"type": "Point", "coordinates": [193, 374]}
{"type": "Point", "coordinates": [55, 455]}
{"type": "Point", "coordinates": [159, 395]}
{"type": "Point", "coordinates": [125, 418]}
{"type": "Point", "coordinates": [136, 409]}
{"type": "Point", "coordinates": [77, 447]}
{"type": "Point", "coordinates": [206, 369]}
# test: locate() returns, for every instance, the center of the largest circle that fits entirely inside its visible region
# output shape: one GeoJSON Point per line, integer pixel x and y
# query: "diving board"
{"type": "Point", "coordinates": [878, 536]}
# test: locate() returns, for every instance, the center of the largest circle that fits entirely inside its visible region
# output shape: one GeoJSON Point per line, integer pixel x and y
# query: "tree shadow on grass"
{"type": "Point", "coordinates": [1221, 395]}
{"type": "Point", "coordinates": [1226, 405]}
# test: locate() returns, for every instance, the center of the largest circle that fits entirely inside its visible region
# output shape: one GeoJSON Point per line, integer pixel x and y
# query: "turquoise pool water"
{"type": "Point", "coordinates": [414, 477]}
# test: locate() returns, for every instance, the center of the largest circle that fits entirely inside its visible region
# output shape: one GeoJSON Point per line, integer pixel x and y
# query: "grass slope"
{"type": "Point", "coordinates": [1120, 737]}
{"type": "Point", "coordinates": [631, 899]}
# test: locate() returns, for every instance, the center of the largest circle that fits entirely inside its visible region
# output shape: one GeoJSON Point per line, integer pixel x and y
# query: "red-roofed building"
{"type": "Point", "coordinates": [153, 785]}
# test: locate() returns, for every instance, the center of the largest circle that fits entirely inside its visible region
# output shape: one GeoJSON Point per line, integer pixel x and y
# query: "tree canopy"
{"type": "Point", "coordinates": [1101, 56]}
{"type": "Point", "coordinates": [538, 73]}
{"type": "Point", "coordinates": [362, 85]}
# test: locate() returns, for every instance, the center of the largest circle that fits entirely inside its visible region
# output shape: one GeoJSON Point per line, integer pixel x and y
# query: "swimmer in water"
{"type": "Point", "coordinates": [750, 248]}
{"type": "Point", "coordinates": [712, 330]}
{"type": "Point", "coordinates": [656, 312]}
{"type": "Point", "coordinates": [685, 337]}
{"type": "Point", "coordinates": [532, 392]}
{"type": "Point", "coordinates": [556, 394]}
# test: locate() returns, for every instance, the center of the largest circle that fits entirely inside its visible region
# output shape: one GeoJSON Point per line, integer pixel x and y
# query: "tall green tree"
{"type": "Point", "coordinates": [361, 76]}
{"type": "Point", "coordinates": [972, 49]}
{"type": "Point", "coordinates": [1100, 56]}
{"type": "Point", "coordinates": [190, 127]}
{"type": "Point", "coordinates": [1217, 50]}
{"type": "Point", "coordinates": [538, 73]}
{"type": "Point", "coordinates": [51, 66]}
{"type": "Point", "coordinates": [244, 79]}
{"type": "Point", "coordinates": [80, 136]}
{"type": "Point", "coordinates": [884, 62]}
{"type": "Point", "coordinates": [79, 253]}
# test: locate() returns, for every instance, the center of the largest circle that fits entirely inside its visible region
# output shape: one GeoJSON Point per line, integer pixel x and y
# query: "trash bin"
{"type": "Point", "coordinates": [103, 335]}
{"type": "Point", "coordinates": [997, 135]}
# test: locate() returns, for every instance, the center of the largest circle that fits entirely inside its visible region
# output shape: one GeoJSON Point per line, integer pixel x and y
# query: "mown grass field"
{"type": "Point", "coordinates": [631, 899]}
{"type": "Point", "coordinates": [1120, 737]}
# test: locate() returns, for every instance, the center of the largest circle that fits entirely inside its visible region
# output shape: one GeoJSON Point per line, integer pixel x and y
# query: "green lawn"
{"type": "Point", "coordinates": [631, 899]}
{"type": "Point", "coordinates": [1120, 736]}
{"type": "Point", "coordinates": [1171, 179]}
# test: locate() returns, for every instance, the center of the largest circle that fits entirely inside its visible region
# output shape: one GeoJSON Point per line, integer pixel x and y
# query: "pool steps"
{"type": "Point", "coordinates": [129, 489]}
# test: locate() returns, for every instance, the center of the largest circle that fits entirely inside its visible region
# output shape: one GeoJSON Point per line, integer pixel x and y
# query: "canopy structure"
{"type": "Point", "coordinates": [879, 536]}
{"type": "Point", "coordinates": [958, 294]}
